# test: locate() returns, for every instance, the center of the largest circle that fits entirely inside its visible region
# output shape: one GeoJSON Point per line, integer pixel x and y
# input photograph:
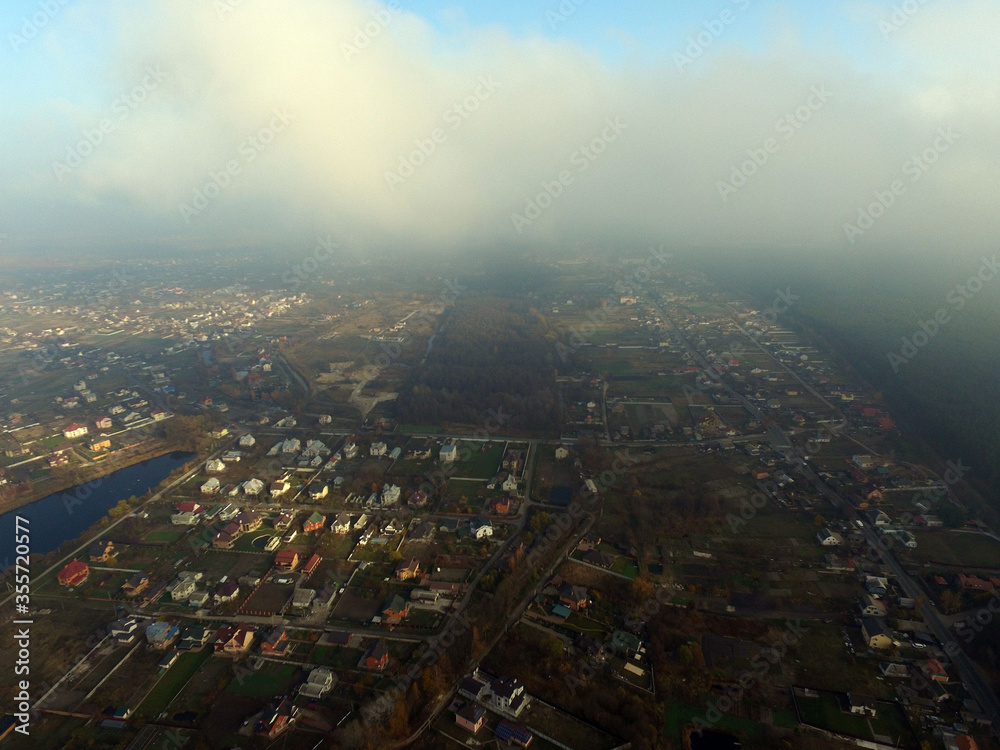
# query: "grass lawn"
{"type": "Point", "coordinates": [481, 464]}
{"type": "Point", "coordinates": [679, 715]}
{"type": "Point", "coordinates": [164, 536]}
{"type": "Point", "coordinates": [957, 548]}
{"type": "Point", "coordinates": [824, 712]}
{"type": "Point", "coordinates": [271, 679]}
{"type": "Point", "coordinates": [171, 683]}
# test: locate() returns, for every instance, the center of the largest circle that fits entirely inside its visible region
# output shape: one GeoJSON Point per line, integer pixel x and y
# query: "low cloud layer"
{"type": "Point", "coordinates": [264, 122]}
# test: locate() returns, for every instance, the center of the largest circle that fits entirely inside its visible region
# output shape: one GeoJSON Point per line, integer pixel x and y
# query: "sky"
{"type": "Point", "coordinates": [844, 128]}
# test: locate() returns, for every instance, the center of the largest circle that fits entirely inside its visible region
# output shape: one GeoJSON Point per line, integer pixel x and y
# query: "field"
{"type": "Point", "coordinates": [957, 548]}
{"type": "Point", "coordinates": [271, 679]}
{"type": "Point", "coordinates": [825, 712]}
{"type": "Point", "coordinates": [170, 684]}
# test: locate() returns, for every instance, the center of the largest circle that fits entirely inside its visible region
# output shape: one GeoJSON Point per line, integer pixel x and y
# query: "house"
{"type": "Point", "coordinates": [598, 557]}
{"type": "Point", "coordinates": [318, 491]}
{"type": "Point", "coordinates": [282, 521]}
{"type": "Point", "coordinates": [74, 431]}
{"type": "Point", "coordinates": [136, 584]}
{"type": "Point", "coordinates": [198, 599]}
{"type": "Point", "coordinates": [99, 445]}
{"type": "Point", "coordinates": [211, 487]}
{"type": "Point", "coordinates": [276, 642]}
{"type": "Point", "coordinates": [315, 522]}
{"type": "Point", "coordinates": [279, 487]}
{"type": "Point", "coordinates": [303, 597]}
{"type": "Point", "coordinates": [877, 585]}
{"type": "Point", "coordinates": [470, 717]}
{"type": "Point", "coordinates": [507, 695]}
{"type": "Point", "coordinates": [376, 657]}
{"type": "Point", "coordinates": [287, 559]}
{"type": "Point", "coordinates": [215, 466]}
{"type": "Point", "coordinates": [390, 494]}
{"type": "Point", "coordinates": [74, 573]}
{"type": "Point", "coordinates": [574, 597]}
{"type": "Point", "coordinates": [182, 589]}
{"type": "Point", "coordinates": [480, 528]}
{"type": "Point", "coordinates": [101, 551]}
{"type": "Point", "coordinates": [891, 669]}
{"type": "Point", "coordinates": [184, 519]}
{"type": "Point", "coordinates": [875, 633]}
{"type": "Point", "coordinates": [125, 630]}
{"type": "Point", "coordinates": [350, 450]}
{"type": "Point", "coordinates": [872, 607]}
{"type": "Point", "coordinates": [448, 453]}
{"type": "Point", "coordinates": [561, 452]}
{"type": "Point", "coordinates": [310, 567]}
{"type": "Point", "coordinates": [828, 538]}
{"type": "Point", "coordinates": [234, 640]}
{"type": "Point", "coordinates": [252, 487]}
{"type": "Point", "coordinates": [248, 520]}
{"type": "Point", "coordinates": [395, 610]}
{"type": "Point", "coordinates": [161, 635]}
{"type": "Point", "coordinates": [509, 484]}
{"type": "Point", "coordinates": [515, 732]}
{"type": "Point", "coordinates": [226, 592]}
{"type": "Point", "coordinates": [864, 705]}
{"type": "Point", "coordinates": [193, 638]}
{"type": "Point", "coordinates": [276, 720]}
{"type": "Point", "coordinates": [342, 524]}
{"type": "Point", "coordinates": [418, 499]}
{"type": "Point", "coordinates": [408, 569]}
{"type": "Point", "coordinates": [935, 670]}
{"type": "Point", "coordinates": [103, 423]}
{"type": "Point", "coordinates": [378, 449]}
{"type": "Point", "coordinates": [247, 441]}
{"type": "Point", "coordinates": [319, 682]}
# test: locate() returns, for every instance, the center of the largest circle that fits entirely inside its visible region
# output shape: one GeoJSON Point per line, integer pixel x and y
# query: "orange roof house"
{"type": "Point", "coordinates": [74, 573]}
{"type": "Point", "coordinates": [287, 559]}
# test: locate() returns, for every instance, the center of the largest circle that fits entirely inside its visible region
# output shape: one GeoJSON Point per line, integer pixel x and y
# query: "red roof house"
{"type": "Point", "coordinates": [74, 573]}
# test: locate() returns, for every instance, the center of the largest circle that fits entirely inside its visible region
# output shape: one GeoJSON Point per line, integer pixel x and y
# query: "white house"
{"type": "Point", "coordinates": [215, 466]}
{"type": "Point", "coordinates": [211, 486]}
{"type": "Point", "coordinates": [448, 453]}
{"type": "Point", "coordinates": [248, 441]}
{"type": "Point", "coordinates": [378, 449]}
{"type": "Point", "coordinates": [510, 483]}
{"type": "Point", "coordinates": [390, 494]}
{"type": "Point", "coordinates": [183, 589]}
{"type": "Point", "coordinates": [320, 681]}
{"type": "Point", "coordinates": [872, 607]}
{"type": "Point", "coordinates": [350, 450]}
{"type": "Point", "coordinates": [184, 519]}
{"type": "Point", "coordinates": [75, 430]}
{"type": "Point", "coordinates": [481, 528]}
{"type": "Point", "coordinates": [829, 538]}
{"type": "Point", "coordinates": [343, 524]}
{"type": "Point", "coordinates": [253, 487]}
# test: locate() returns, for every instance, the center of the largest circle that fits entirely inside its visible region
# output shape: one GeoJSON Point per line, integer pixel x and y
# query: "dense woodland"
{"type": "Point", "coordinates": [490, 354]}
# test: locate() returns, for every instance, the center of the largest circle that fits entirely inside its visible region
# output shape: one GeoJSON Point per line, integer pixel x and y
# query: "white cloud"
{"type": "Point", "coordinates": [354, 119]}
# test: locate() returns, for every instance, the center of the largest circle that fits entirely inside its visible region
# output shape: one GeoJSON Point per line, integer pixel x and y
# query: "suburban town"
{"type": "Point", "coordinates": [649, 514]}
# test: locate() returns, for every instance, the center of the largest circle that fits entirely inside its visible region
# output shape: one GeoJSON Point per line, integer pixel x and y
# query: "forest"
{"type": "Point", "coordinates": [490, 356]}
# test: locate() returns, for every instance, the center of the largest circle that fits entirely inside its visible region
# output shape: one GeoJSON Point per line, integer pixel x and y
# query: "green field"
{"type": "Point", "coordinates": [164, 536]}
{"type": "Point", "coordinates": [825, 712]}
{"type": "Point", "coordinates": [272, 679]}
{"type": "Point", "coordinates": [957, 548]}
{"type": "Point", "coordinates": [481, 464]}
{"type": "Point", "coordinates": [171, 683]}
